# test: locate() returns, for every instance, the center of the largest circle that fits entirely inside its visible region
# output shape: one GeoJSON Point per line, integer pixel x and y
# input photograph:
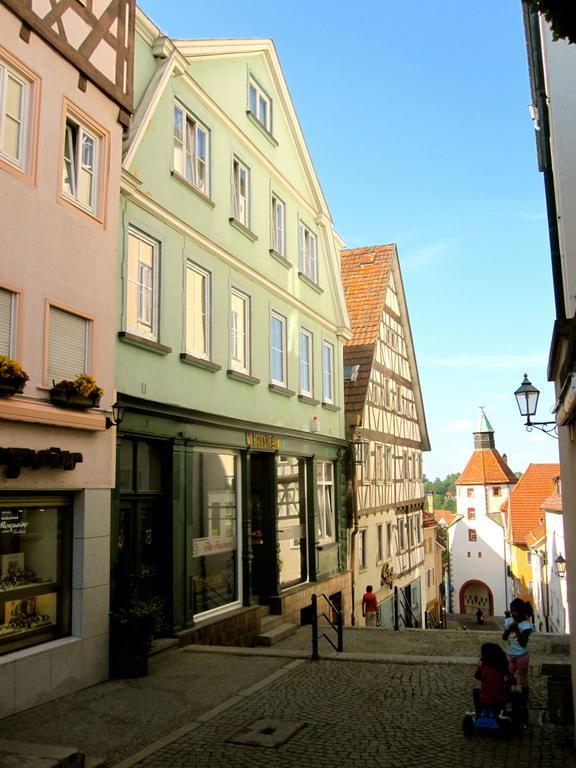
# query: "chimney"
{"type": "Point", "coordinates": [505, 458]}
{"type": "Point", "coordinates": [431, 504]}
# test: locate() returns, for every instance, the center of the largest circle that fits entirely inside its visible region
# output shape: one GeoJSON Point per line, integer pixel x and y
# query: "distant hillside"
{"type": "Point", "coordinates": [444, 491]}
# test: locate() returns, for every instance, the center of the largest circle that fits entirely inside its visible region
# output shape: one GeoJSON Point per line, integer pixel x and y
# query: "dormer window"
{"type": "Point", "coordinates": [260, 105]}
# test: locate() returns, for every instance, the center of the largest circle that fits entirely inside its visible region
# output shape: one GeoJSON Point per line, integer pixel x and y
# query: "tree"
{"type": "Point", "coordinates": [560, 15]}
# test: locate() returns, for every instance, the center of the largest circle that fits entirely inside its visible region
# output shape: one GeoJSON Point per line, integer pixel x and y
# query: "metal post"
{"type": "Point", "coordinates": [340, 632]}
{"type": "Point", "coordinates": [396, 625]}
{"type": "Point", "coordinates": [314, 606]}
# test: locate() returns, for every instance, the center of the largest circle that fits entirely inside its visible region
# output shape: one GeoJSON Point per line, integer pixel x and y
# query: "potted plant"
{"type": "Point", "coordinates": [12, 377]}
{"type": "Point", "coordinates": [133, 626]}
{"type": "Point", "coordinates": [80, 392]}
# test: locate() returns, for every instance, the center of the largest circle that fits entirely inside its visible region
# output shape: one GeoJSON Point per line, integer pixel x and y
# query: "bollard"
{"type": "Point", "coordinates": [560, 705]}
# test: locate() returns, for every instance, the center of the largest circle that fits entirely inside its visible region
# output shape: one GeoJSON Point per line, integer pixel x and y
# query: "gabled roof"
{"type": "Point", "coordinates": [486, 467]}
{"type": "Point", "coordinates": [524, 513]}
{"type": "Point", "coordinates": [445, 517]}
{"type": "Point", "coordinates": [365, 277]}
{"type": "Point", "coordinates": [428, 520]}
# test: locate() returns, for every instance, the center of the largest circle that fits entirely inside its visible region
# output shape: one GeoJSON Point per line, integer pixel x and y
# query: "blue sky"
{"type": "Point", "coordinates": [416, 117]}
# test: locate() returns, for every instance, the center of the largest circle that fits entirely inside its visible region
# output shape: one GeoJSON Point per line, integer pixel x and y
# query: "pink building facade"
{"type": "Point", "coordinates": [62, 97]}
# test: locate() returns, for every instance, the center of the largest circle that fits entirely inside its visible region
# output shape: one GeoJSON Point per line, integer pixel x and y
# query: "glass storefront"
{"type": "Point", "coordinates": [35, 570]}
{"type": "Point", "coordinates": [291, 521]}
{"type": "Point", "coordinates": [214, 531]}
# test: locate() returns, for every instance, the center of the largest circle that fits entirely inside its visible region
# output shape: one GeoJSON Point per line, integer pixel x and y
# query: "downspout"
{"type": "Point", "coordinates": [538, 83]}
{"type": "Point", "coordinates": [354, 484]}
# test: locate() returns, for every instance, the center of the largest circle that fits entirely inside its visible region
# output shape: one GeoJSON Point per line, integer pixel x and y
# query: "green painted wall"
{"type": "Point", "coordinates": [232, 259]}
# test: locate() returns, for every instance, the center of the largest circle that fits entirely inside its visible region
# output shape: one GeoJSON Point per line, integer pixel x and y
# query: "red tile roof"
{"type": "Point", "coordinates": [445, 516]}
{"type": "Point", "coordinates": [524, 504]}
{"type": "Point", "coordinates": [428, 521]}
{"type": "Point", "coordinates": [365, 273]}
{"type": "Point", "coordinates": [486, 466]}
{"type": "Point", "coordinates": [552, 503]}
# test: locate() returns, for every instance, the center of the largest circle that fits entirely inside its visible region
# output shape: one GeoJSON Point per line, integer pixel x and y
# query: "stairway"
{"type": "Point", "coordinates": [273, 628]}
{"type": "Point", "coordinates": [21, 754]}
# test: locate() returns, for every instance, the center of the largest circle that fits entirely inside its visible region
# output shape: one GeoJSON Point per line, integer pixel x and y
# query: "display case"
{"type": "Point", "coordinates": [35, 536]}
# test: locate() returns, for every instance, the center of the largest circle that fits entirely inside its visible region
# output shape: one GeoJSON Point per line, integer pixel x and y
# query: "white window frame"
{"type": "Point", "coordinates": [307, 252]}
{"type": "Point", "coordinates": [75, 165]}
{"type": "Point", "coordinates": [328, 372]}
{"type": "Point", "coordinates": [259, 100]}
{"type": "Point", "coordinates": [143, 327]}
{"type": "Point", "coordinates": [362, 543]}
{"type": "Point", "coordinates": [188, 160]}
{"type": "Point", "coordinates": [283, 380]}
{"type": "Point", "coordinates": [195, 314]}
{"type": "Point", "coordinates": [240, 199]}
{"type": "Point", "coordinates": [326, 527]}
{"type": "Point", "coordinates": [84, 364]}
{"type": "Point", "coordinates": [240, 340]}
{"type": "Point", "coordinates": [8, 319]}
{"type": "Point", "coordinates": [307, 363]}
{"type": "Point", "coordinates": [278, 212]}
{"type": "Point", "coordinates": [23, 119]}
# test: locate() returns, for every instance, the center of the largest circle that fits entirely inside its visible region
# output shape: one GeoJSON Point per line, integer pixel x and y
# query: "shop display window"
{"type": "Point", "coordinates": [214, 532]}
{"type": "Point", "coordinates": [35, 569]}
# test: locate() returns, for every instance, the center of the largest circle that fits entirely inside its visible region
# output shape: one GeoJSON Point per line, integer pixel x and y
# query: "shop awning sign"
{"type": "Point", "coordinates": [260, 440]}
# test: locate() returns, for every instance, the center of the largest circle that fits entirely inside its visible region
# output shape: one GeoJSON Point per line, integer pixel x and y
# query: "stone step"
{"type": "Point", "coordinates": [276, 635]}
{"type": "Point", "coordinates": [33, 755]}
{"type": "Point", "coordinates": [94, 762]}
{"type": "Point", "coordinates": [270, 622]}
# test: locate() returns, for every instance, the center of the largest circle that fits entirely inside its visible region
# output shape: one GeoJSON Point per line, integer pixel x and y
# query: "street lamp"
{"type": "Point", "coordinates": [527, 398]}
{"type": "Point", "coordinates": [359, 450]}
{"type": "Point", "coordinates": [560, 564]}
{"type": "Point", "coordinates": [117, 416]}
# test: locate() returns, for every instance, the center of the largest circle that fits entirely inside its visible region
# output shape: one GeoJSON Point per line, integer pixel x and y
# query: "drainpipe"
{"type": "Point", "coordinates": [354, 483]}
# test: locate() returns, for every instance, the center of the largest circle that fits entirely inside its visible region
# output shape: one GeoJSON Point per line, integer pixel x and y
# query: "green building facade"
{"type": "Point", "coordinates": [231, 455]}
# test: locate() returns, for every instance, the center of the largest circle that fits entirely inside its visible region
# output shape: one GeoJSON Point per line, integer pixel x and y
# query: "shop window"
{"type": "Point", "coordinates": [214, 542]}
{"type": "Point", "coordinates": [35, 572]}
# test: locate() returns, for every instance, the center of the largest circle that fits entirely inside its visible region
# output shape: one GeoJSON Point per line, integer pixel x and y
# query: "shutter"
{"type": "Point", "coordinates": [6, 305]}
{"type": "Point", "coordinates": [67, 345]}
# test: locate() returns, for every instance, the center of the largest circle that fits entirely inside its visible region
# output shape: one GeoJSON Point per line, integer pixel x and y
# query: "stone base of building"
{"type": "Point", "coordinates": [237, 628]}
{"type": "Point", "coordinates": [294, 605]}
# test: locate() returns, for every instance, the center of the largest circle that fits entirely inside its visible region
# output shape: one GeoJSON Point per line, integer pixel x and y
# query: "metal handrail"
{"type": "Point", "coordinates": [338, 627]}
{"type": "Point", "coordinates": [407, 610]}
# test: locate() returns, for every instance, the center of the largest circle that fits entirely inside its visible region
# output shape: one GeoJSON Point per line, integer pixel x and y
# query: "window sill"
{"type": "Point", "coordinates": [199, 362]}
{"type": "Point", "coordinates": [330, 406]}
{"type": "Point", "coordinates": [308, 400]}
{"type": "Point", "coordinates": [245, 377]}
{"type": "Point", "coordinates": [281, 390]}
{"type": "Point", "coordinates": [189, 185]}
{"type": "Point", "coordinates": [242, 228]}
{"type": "Point", "coordinates": [253, 119]}
{"type": "Point", "coordinates": [309, 282]}
{"type": "Point", "coordinates": [140, 341]}
{"type": "Point", "coordinates": [282, 259]}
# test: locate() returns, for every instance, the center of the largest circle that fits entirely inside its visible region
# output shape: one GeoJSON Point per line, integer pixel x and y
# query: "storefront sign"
{"type": "Point", "coordinates": [10, 522]}
{"type": "Point", "coordinates": [212, 546]}
{"type": "Point", "coordinates": [15, 459]}
{"type": "Point", "coordinates": [257, 440]}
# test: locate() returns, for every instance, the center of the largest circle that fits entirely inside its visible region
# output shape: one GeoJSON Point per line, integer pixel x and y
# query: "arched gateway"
{"type": "Point", "coordinates": [476, 594]}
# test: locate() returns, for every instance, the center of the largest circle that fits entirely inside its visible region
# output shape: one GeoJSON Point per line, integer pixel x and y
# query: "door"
{"type": "Point", "coordinates": [261, 524]}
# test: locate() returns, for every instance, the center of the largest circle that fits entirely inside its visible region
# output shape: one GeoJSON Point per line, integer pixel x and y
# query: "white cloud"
{"type": "Point", "coordinates": [501, 362]}
{"type": "Point", "coordinates": [459, 425]}
{"type": "Point", "coordinates": [419, 257]}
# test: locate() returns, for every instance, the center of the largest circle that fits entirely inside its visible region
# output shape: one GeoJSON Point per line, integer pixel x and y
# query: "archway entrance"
{"type": "Point", "coordinates": [474, 595]}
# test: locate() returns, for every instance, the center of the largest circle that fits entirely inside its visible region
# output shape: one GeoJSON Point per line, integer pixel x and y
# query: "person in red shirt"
{"type": "Point", "coordinates": [369, 606]}
{"type": "Point", "coordinates": [492, 672]}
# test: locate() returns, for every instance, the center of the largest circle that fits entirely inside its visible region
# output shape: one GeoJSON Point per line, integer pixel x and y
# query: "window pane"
{"type": "Point", "coordinates": [238, 331]}
{"type": "Point", "coordinates": [214, 532]}
{"type": "Point", "coordinates": [6, 320]}
{"type": "Point", "coordinates": [140, 298]}
{"type": "Point", "coordinates": [67, 345]}
{"type": "Point", "coordinates": [196, 313]}
{"type": "Point", "coordinates": [277, 328]}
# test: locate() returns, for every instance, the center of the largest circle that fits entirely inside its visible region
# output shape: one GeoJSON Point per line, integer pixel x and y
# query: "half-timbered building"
{"type": "Point", "coordinates": [65, 100]}
{"type": "Point", "coordinates": [384, 406]}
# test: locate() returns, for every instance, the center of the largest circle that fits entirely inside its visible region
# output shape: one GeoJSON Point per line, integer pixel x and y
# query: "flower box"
{"type": "Point", "coordinates": [9, 387]}
{"type": "Point", "coordinates": [66, 398]}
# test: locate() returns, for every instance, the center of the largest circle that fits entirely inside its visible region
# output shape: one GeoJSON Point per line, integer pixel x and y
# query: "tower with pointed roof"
{"type": "Point", "coordinates": [479, 576]}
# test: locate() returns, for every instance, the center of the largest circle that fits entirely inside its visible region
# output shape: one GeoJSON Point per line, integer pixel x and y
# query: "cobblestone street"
{"type": "Point", "coordinates": [359, 714]}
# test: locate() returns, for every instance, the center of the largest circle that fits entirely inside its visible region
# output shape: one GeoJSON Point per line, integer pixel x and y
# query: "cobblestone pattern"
{"type": "Point", "coordinates": [365, 714]}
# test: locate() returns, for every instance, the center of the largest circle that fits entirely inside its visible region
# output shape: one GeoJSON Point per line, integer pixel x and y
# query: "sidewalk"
{"type": "Point", "coordinates": [199, 702]}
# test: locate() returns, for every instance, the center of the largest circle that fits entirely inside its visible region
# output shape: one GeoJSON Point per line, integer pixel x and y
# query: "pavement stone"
{"type": "Point", "coordinates": [392, 699]}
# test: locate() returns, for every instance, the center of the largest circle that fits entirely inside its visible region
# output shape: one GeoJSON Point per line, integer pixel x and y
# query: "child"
{"type": "Point", "coordinates": [517, 630]}
{"type": "Point", "coordinates": [369, 606]}
{"type": "Point", "coordinates": [492, 671]}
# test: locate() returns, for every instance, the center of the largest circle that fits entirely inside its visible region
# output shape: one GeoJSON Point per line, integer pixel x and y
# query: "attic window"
{"type": "Point", "coordinates": [260, 105]}
{"type": "Point", "coordinates": [351, 372]}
